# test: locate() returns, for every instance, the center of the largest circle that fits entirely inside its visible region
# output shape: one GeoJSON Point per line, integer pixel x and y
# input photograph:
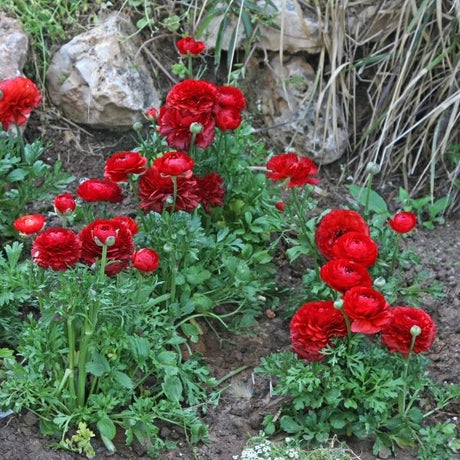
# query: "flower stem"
{"type": "Point", "coordinates": [368, 194]}
{"type": "Point", "coordinates": [103, 262]}
{"type": "Point", "coordinates": [403, 395]}
{"type": "Point", "coordinates": [174, 181]}
{"type": "Point", "coordinates": [395, 252]}
{"type": "Point", "coordinates": [72, 351]}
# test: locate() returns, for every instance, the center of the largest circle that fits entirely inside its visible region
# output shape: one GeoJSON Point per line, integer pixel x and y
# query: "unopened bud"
{"type": "Point", "coordinates": [372, 168]}
{"type": "Point", "coordinates": [415, 331]}
{"type": "Point", "coordinates": [196, 128]}
{"type": "Point", "coordinates": [338, 304]}
{"type": "Point", "coordinates": [110, 241]}
{"type": "Point", "coordinates": [380, 282]}
{"type": "Point", "coordinates": [137, 126]}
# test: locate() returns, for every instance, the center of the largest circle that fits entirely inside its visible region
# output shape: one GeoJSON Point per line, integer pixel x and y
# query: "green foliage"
{"type": "Point", "coordinates": [25, 179]}
{"type": "Point", "coordinates": [356, 390]}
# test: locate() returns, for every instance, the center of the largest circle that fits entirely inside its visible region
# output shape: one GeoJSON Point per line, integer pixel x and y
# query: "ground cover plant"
{"type": "Point", "coordinates": [113, 301]}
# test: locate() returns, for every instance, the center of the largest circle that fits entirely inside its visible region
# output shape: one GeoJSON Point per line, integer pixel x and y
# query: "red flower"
{"type": "Point", "coordinates": [188, 45]}
{"type": "Point", "coordinates": [367, 308]}
{"type": "Point", "coordinates": [120, 164]}
{"type": "Point", "coordinates": [64, 204]}
{"type": "Point", "coordinates": [56, 248]}
{"type": "Point", "coordinates": [333, 225]}
{"type": "Point", "coordinates": [211, 190]}
{"type": "Point", "coordinates": [118, 254]}
{"type": "Point", "coordinates": [294, 167]}
{"type": "Point", "coordinates": [280, 205]}
{"type": "Point", "coordinates": [30, 224]}
{"type": "Point", "coordinates": [100, 190]}
{"type": "Point", "coordinates": [228, 119]}
{"type": "Point", "coordinates": [128, 222]}
{"type": "Point", "coordinates": [230, 97]}
{"type": "Point", "coordinates": [174, 164]}
{"type": "Point", "coordinates": [151, 114]}
{"type": "Point", "coordinates": [145, 260]}
{"type": "Point", "coordinates": [313, 326]}
{"type": "Point", "coordinates": [196, 97]}
{"type": "Point", "coordinates": [343, 274]}
{"type": "Point", "coordinates": [18, 97]}
{"type": "Point", "coordinates": [357, 247]}
{"type": "Point", "coordinates": [156, 192]}
{"type": "Point", "coordinates": [174, 125]}
{"type": "Point", "coordinates": [397, 334]}
{"type": "Point", "coordinates": [403, 222]}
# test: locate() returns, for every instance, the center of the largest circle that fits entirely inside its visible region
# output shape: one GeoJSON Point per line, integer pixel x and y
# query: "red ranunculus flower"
{"type": "Point", "coordinates": [145, 260]}
{"type": "Point", "coordinates": [151, 114]}
{"type": "Point", "coordinates": [130, 223]}
{"type": "Point", "coordinates": [280, 205]}
{"type": "Point", "coordinates": [118, 254]}
{"type": "Point", "coordinates": [298, 169]}
{"type": "Point", "coordinates": [357, 247]}
{"type": "Point", "coordinates": [211, 190]}
{"type": "Point", "coordinates": [343, 274]}
{"type": "Point", "coordinates": [18, 97]}
{"type": "Point", "coordinates": [230, 97]}
{"type": "Point", "coordinates": [174, 125]}
{"type": "Point", "coordinates": [64, 204]}
{"type": "Point", "coordinates": [313, 326]}
{"type": "Point", "coordinates": [367, 308]}
{"type": "Point", "coordinates": [333, 225]}
{"type": "Point", "coordinates": [403, 222]}
{"type": "Point", "coordinates": [197, 97]}
{"type": "Point", "coordinates": [156, 192]}
{"type": "Point", "coordinates": [174, 164]}
{"type": "Point", "coordinates": [188, 45]}
{"type": "Point", "coordinates": [30, 224]}
{"type": "Point", "coordinates": [228, 119]}
{"type": "Point", "coordinates": [56, 248]}
{"type": "Point", "coordinates": [100, 190]}
{"type": "Point", "coordinates": [397, 334]}
{"type": "Point", "coordinates": [120, 164]}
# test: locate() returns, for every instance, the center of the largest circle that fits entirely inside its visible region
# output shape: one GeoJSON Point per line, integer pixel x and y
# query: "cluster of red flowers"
{"type": "Point", "coordinates": [18, 98]}
{"type": "Point", "coordinates": [194, 108]}
{"type": "Point", "coordinates": [343, 239]}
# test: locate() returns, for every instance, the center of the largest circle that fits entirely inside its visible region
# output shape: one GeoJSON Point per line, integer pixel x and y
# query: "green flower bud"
{"type": "Point", "coordinates": [380, 282]}
{"type": "Point", "coordinates": [137, 126]}
{"type": "Point", "coordinates": [196, 128]}
{"type": "Point", "coordinates": [372, 168]}
{"type": "Point", "coordinates": [415, 331]}
{"type": "Point", "coordinates": [338, 304]}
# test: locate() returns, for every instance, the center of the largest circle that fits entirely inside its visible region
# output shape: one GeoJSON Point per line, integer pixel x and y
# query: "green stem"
{"type": "Point", "coordinates": [402, 399]}
{"type": "Point", "coordinates": [174, 181]}
{"type": "Point", "coordinates": [103, 263]}
{"type": "Point", "coordinates": [190, 66]}
{"type": "Point", "coordinates": [72, 351]}
{"type": "Point", "coordinates": [172, 289]}
{"type": "Point", "coordinates": [394, 257]}
{"type": "Point", "coordinates": [368, 193]}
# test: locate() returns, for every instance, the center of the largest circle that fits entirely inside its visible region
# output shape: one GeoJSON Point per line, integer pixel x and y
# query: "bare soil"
{"type": "Point", "coordinates": [247, 398]}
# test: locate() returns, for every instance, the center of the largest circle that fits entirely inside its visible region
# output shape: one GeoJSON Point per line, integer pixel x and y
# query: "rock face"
{"type": "Point", "coordinates": [98, 80]}
{"type": "Point", "coordinates": [287, 104]}
{"type": "Point", "coordinates": [13, 47]}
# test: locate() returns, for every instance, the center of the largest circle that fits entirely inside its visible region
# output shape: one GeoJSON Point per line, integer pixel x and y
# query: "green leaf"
{"type": "Point", "coordinates": [106, 427]}
{"type": "Point", "coordinates": [98, 366]}
{"type": "Point", "coordinates": [196, 275]}
{"type": "Point", "coordinates": [289, 425]}
{"type": "Point", "coordinates": [172, 387]}
{"type": "Point", "coordinates": [6, 353]}
{"type": "Point", "coordinates": [376, 202]}
{"type": "Point", "coordinates": [17, 175]}
{"type": "Point", "coordinates": [123, 379]}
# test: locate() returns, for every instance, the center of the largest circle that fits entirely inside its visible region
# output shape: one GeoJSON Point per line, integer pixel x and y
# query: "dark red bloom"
{"type": "Point", "coordinates": [64, 204]}
{"type": "Point", "coordinates": [151, 114]}
{"type": "Point", "coordinates": [100, 190]}
{"type": "Point", "coordinates": [280, 205]}
{"type": "Point", "coordinates": [156, 192]}
{"type": "Point", "coordinates": [335, 224]}
{"type": "Point", "coordinates": [367, 308]}
{"type": "Point", "coordinates": [29, 224]}
{"type": "Point", "coordinates": [145, 260]}
{"type": "Point", "coordinates": [298, 169]}
{"type": "Point", "coordinates": [211, 190]}
{"type": "Point", "coordinates": [174, 125]}
{"type": "Point", "coordinates": [56, 248]}
{"type": "Point", "coordinates": [343, 274]}
{"type": "Point", "coordinates": [397, 334]}
{"type": "Point", "coordinates": [130, 223]}
{"type": "Point", "coordinates": [313, 326]}
{"type": "Point", "coordinates": [357, 247]}
{"type": "Point", "coordinates": [19, 96]}
{"type": "Point", "coordinates": [230, 97]}
{"type": "Point", "coordinates": [196, 97]}
{"type": "Point", "coordinates": [188, 45]}
{"type": "Point", "coordinates": [403, 222]}
{"type": "Point", "coordinates": [174, 164]}
{"type": "Point", "coordinates": [118, 254]}
{"type": "Point", "coordinates": [121, 164]}
{"type": "Point", "coordinates": [228, 119]}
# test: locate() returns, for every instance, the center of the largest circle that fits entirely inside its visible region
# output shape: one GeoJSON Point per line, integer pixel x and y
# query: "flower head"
{"type": "Point", "coordinates": [174, 164]}
{"type": "Point", "coordinates": [335, 224]}
{"type": "Point", "coordinates": [151, 114]}
{"type": "Point", "coordinates": [19, 97]}
{"type": "Point", "coordinates": [29, 224]}
{"type": "Point", "coordinates": [64, 204]}
{"type": "Point", "coordinates": [100, 190]}
{"type": "Point", "coordinates": [343, 274]}
{"type": "Point", "coordinates": [403, 222]}
{"type": "Point", "coordinates": [121, 164]}
{"type": "Point", "coordinates": [313, 326]}
{"type": "Point", "coordinates": [196, 97]}
{"type": "Point", "coordinates": [188, 45]}
{"type": "Point", "coordinates": [56, 248]}
{"type": "Point", "coordinates": [145, 260]}
{"type": "Point", "coordinates": [298, 169]}
{"type": "Point", "coordinates": [357, 247]}
{"type": "Point", "coordinates": [211, 191]}
{"type": "Point", "coordinates": [398, 333]}
{"type": "Point", "coordinates": [129, 223]}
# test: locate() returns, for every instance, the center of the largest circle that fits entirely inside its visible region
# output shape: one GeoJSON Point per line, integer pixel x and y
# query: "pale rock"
{"type": "Point", "coordinates": [99, 79]}
{"type": "Point", "coordinates": [14, 46]}
{"type": "Point", "coordinates": [287, 104]}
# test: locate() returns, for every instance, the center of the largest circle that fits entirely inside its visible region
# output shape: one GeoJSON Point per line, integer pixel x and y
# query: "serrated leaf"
{"type": "Point", "coordinates": [172, 387]}
{"type": "Point", "coordinates": [17, 175]}
{"type": "Point", "coordinates": [197, 275]}
{"type": "Point", "coordinates": [289, 425]}
{"type": "Point", "coordinates": [123, 379]}
{"type": "Point", "coordinates": [98, 366]}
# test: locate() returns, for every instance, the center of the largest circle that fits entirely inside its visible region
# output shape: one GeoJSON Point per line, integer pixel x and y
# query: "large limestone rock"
{"type": "Point", "coordinates": [98, 78]}
{"type": "Point", "coordinates": [14, 46]}
{"type": "Point", "coordinates": [287, 104]}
